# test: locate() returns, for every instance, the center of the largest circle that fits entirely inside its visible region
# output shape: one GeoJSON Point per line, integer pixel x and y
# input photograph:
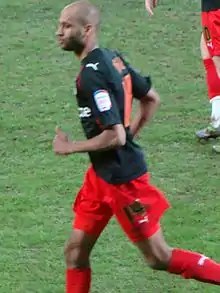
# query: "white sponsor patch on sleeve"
{"type": "Point", "coordinates": [102, 100]}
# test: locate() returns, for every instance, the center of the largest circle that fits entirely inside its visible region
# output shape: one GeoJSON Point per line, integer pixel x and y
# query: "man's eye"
{"type": "Point", "coordinates": [67, 25]}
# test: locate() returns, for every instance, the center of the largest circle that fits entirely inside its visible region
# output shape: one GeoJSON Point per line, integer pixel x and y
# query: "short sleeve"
{"type": "Point", "coordinates": [102, 101]}
{"type": "Point", "coordinates": [140, 84]}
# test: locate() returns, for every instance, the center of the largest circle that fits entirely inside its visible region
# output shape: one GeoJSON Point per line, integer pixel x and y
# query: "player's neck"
{"type": "Point", "coordinates": [87, 50]}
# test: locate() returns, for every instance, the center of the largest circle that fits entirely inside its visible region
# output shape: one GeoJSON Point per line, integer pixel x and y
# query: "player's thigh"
{"type": "Point", "coordinates": [155, 250]}
{"type": "Point", "coordinates": [203, 48]}
{"type": "Point", "coordinates": [92, 213]}
{"type": "Point", "coordinates": [215, 31]}
{"type": "Point", "coordinates": [206, 45]}
{"type": "Point", "coordinates": [78, 248]}
{"type": "Point", "coordinates": [215, 37]}
{"type": "Point", "coordinates": [139, 209]}
{"type": "Point", "coordinates": [211, 32]}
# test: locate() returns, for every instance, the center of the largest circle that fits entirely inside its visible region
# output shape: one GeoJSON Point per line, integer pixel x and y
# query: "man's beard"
{"type": "Point", "coordinates": [75, 44]}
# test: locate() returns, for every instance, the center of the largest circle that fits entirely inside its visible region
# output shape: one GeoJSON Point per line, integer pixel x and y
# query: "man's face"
{"type": "Point", "coordinates": [71, 34]}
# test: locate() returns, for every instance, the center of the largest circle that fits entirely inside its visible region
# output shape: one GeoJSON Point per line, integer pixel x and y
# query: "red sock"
{"type": "Point", "coordinates": [78, 280]}
{"type": "Point", "coordinates": [212, 79]}
{"type": "Point", "coordinates": [191, 265]}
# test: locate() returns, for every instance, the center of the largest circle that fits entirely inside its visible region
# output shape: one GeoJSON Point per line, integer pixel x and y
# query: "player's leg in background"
{"type": "Point", "coordinates": [213, 86]}
{"type": "Point", "coordinates": [212, 66]}
{"type": "Point", "coordinates": [188, 264]}
{"type": "Point", "coordinates": [212, 79]}
{"type": "Point", "coordinates": [216, 59]}
{"type": "Point", "coordinates": [216, 103]}
{"type": "Point", "coordinates": [216, 40]}
{"type": "Point", "coordinates": [207, 46]}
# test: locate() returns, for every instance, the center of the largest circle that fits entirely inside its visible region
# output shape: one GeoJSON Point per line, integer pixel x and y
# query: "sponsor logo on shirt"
{"type": "Point", "coordinates": [102, 100]}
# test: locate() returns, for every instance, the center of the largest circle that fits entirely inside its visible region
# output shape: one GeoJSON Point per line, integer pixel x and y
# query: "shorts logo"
{"type": "Point", "coordinates": [136, 212]}
{"type": "Point", "coordinates": [102, 100]}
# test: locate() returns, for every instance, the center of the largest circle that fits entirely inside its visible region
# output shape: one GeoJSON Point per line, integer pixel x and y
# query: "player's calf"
{"type": "Point", "coordinates": [156, 252]}
{"type": "Point", "coordinates": [77, 252]}
{"type": "Point", "coordinates": [189, 265]}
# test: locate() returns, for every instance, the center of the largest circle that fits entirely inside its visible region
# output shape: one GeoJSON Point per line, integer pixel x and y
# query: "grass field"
{"type": "Point", "coordinates": [37, 188]}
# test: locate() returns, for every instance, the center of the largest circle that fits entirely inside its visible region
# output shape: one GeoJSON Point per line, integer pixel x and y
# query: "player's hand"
{"type": "Point", "coordinates": [61, 143]}
{"type": "Point", "coordinates": [149, 5]}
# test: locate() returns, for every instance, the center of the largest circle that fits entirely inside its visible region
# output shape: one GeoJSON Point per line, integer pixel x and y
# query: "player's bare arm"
{"type": "Point", "coordinates": [148, 105]}
{"type": "Point", "coordinates": [150, 5]}
{"type": "Point", "coordinates": [110, 138]}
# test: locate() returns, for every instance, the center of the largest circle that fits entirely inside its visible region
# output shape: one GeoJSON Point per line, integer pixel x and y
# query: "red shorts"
{"type": "Point", "coordinates": [137, 205]}
{"type": "Point", "coordinates": [211, 31]}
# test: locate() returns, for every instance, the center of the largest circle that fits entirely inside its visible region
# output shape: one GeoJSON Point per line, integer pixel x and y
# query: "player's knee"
{"type": "Point", "coordinates": [156, 252]}
{"type": "Point", "coordinates": [159, 259]}
{"type": "Point", "coordinates": [76, 254]}
{"type": "Point", "coordinates": [158, 262]}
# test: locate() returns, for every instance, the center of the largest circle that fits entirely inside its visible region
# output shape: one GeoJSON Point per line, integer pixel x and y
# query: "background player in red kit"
{"type": "Point", "coordinates": [210, 51]}
{"type": "Point", "coordinates": [117, 183]}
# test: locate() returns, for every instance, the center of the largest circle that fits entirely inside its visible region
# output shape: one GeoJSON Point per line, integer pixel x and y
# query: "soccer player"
{"type": "Point", "coordinates": [117, 183]}
{"type": "Point", "coordinates": [210, 51]}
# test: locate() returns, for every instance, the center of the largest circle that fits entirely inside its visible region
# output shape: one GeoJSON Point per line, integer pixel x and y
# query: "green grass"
{"type": "Point", "coordinates": [37, 188]}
